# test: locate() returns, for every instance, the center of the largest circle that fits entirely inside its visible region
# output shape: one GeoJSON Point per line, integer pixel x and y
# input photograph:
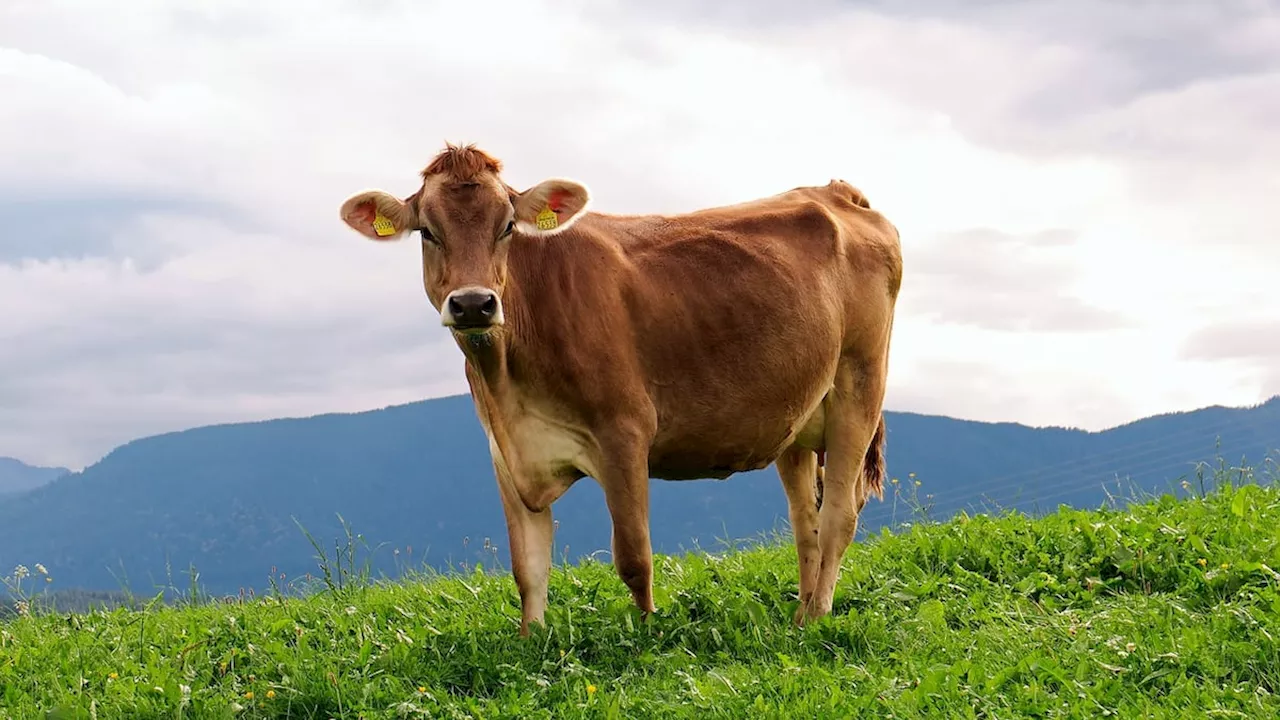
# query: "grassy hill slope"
{"type": "Point", "coordinates": [1165, 608]}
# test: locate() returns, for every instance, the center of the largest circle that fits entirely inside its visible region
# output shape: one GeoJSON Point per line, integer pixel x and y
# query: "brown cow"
{"type": "Point", "coordinates": [674, 347]}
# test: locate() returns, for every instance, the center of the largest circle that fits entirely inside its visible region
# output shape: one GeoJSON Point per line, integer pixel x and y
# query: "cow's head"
{"type": "Point", "coordinates": [467, 216]}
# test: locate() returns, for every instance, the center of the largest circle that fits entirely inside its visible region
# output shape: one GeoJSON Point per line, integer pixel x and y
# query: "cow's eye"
{"type": "Point", "coordinates": [511, 226]}
{"type": "Point", "coordinates": [427, 237]}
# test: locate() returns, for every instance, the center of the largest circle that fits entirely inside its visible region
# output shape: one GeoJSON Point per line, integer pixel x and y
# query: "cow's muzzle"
{"type": "Point", "coordinates": [472, 309]}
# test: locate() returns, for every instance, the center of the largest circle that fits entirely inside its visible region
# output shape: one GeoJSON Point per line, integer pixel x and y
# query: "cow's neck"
{"type": "Point", "coordinates": [487, 355]}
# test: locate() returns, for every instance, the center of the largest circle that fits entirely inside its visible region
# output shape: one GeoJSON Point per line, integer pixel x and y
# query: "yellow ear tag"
{"type": "Point", "coordinates": [547, 220]}
{"type": "Point", "coordinates": [383, 226]}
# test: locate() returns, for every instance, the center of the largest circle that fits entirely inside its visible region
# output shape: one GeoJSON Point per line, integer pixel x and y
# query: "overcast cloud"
{"type": "Point", "coordinates": [1086, 190]}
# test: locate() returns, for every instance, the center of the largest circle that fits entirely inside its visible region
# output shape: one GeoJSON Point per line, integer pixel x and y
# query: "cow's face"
{"type": "Point", "coordinates": [467, 217]}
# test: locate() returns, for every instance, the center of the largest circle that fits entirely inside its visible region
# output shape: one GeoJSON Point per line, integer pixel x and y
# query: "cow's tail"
{"type": "Point", "coordinates": [873, 467]}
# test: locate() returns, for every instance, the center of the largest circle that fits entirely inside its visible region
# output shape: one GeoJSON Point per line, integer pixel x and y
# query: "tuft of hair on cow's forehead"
{"type": "Point", "coordinates": [462, 185]}
{"type": "Point", "coordinates": [462, 164]}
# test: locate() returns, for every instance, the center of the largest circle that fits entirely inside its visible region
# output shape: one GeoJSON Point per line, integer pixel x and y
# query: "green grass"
{"type": "Point", "coordinates": [1169, 608]}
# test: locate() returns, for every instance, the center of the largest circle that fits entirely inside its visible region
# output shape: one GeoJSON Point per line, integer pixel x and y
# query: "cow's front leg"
{"type": "Point", "coordinates": [624, 476]}
{"type": "Point", "coordinates": [531, 534]}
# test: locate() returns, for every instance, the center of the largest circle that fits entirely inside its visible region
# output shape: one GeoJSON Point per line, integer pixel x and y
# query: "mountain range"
{"type": "Point", "coordinates": [416, 482]}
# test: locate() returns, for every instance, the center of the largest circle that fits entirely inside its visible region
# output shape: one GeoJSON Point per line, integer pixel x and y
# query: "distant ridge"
{"type": "Point", "coordinates": [17, 476]}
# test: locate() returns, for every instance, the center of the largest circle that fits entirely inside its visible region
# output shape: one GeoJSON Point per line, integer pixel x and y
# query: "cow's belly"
{"type": "Point", "coordinates": [548, 455]}
{"type": "Point", "coordinates": [717, 445]}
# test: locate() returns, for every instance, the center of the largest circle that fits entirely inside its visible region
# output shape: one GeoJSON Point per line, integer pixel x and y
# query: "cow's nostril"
{"type": "Point", "coordinates": [490, 305]}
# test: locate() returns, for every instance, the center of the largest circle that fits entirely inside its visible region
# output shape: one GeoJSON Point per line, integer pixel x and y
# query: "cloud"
{"type": "Point", "coordinates": [1027, 66]}
{"type": "Point", "coordinates": [170, 252]}
{"type": "Point", "coordinates": [84, 225]}
{"type": "Point", "coordinates": [1249, 345]}
{"type": "Point", "coordinates": [231, 327]}
{"type": "Point", "coordinates": [989, 279]}
{"type": "Point", "coordinates": [1256, 340]}
{"type": "Point", "coordinates": [975, 388]}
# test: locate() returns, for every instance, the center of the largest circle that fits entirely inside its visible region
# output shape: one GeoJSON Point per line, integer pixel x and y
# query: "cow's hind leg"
{"type": "Point", "coordinates": [853, 434]}
{"type": "Point", "coordinates": [798, 467]}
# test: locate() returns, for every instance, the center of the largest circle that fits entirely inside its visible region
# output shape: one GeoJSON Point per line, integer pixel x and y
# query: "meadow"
{"type": "Point", "coordinates": [1164, 607]}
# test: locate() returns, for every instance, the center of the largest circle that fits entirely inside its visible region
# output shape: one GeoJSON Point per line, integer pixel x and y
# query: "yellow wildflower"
{"type": "Point", "coordinates": [271, 694]}
{"type": "Point", "coordinates": [248, 695]}
{"type": "Point", "coordinates": [591, 689]}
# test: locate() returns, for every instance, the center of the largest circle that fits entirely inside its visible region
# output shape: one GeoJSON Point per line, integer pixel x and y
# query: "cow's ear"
{"type": "Point", "coordinates": [551, 206]}
{"type": "Point", "coordinates": [378, 215]}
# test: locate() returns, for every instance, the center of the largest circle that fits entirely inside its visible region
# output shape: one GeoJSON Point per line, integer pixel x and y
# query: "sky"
{"type": "Point", "coordinates": [1086, 190]}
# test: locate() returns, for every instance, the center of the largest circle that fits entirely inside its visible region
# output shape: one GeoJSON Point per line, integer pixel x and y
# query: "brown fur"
{"type": "Point", "coordinates": [676, 347]}
{"type": "Point", "coordinates": [462, 163]}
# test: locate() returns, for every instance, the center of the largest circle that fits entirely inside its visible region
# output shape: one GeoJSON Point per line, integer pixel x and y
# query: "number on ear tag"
{"type": "Point", "coordinates": [547, 219]}
{"type": "Point", "coordinates": [383, 226]}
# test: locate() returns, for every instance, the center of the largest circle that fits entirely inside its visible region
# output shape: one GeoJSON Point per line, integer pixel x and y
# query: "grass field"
{"type": "Point", "coordinates": [1169, 608]}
